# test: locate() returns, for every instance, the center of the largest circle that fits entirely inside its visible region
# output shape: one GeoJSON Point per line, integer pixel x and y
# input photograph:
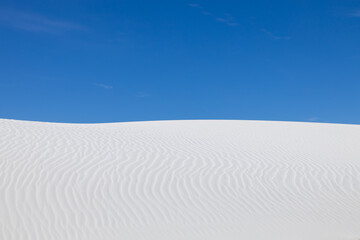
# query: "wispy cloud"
{"type": "Point", "coordinates": [195, 5]}
{"type": "Point", "coordinates": [103, 86]}
{"type": "Point", "coordinates": [198, 6]}
{"type": "Point", "coordinates": [273, 36]}
{"type": "Point", "coordinates": [354, 13]}
{"type": "Point", "coordinates": [34, 22]}
{"type": "Point", "coordinates": [142, 95]}
{"type": "Point", "coordinates": [313, 119]}
{"type": "Point", "coordinates": [228, 19]}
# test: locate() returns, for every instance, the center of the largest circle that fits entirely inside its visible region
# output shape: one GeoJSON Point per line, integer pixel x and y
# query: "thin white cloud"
{"type": "Point", "coordinates": [228, 19]}
{"type": "Point", "coordinates": [198, 6]}
{"type": "Point", "coordinates": [142, 95]}
{"type": "Point", "coordinates": [34, 22]}
{"type": "Point", "coordinates": [195, 5]}
{"type": "Point", "coordinates": [103, 86]}
{"type": "Point", "coordinates": [275, 37]}
{"type": "Point", "coordinates": [313, 119]}
{"type": "Point", "coordinates": [354, 13]}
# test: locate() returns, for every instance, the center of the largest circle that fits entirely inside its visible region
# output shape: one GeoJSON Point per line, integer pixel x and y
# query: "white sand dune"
{"type": "Point", "coordinates": [181, 180]}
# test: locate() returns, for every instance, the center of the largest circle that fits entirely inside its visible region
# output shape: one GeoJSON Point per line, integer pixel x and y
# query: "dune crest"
{"type": "Point", "coordinates": [181, 180]}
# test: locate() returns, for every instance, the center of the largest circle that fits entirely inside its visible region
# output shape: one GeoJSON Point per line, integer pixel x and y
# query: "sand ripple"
{"type": "Point", "coordinates": [179, 180]}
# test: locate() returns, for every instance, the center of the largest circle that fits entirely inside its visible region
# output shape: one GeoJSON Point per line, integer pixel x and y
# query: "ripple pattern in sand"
{"type": "Point", "coordinates": [179, 180]}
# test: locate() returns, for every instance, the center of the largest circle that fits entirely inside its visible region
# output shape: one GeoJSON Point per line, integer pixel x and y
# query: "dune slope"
{"type": "Point", "coordinates": [181, 180]}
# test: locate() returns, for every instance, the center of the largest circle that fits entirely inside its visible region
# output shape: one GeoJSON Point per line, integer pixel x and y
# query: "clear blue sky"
{"type": "Point", "coordinates": [130, 60]}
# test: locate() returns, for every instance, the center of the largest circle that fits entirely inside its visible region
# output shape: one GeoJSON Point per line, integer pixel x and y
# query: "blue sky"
{"type": "Point", "coordinates": [131, 60]}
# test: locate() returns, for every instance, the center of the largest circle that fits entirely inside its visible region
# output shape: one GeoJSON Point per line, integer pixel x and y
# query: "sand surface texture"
{"type": "Point", "coordinates": [179, 180]}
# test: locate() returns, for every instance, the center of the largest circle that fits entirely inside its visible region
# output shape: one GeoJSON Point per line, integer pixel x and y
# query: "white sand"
{"type": "Point", "coordinates": [188, 180]}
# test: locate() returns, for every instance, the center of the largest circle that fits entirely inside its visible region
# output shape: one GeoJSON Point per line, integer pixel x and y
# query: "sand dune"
{"type": "Point", "coordinates": [181, 180]}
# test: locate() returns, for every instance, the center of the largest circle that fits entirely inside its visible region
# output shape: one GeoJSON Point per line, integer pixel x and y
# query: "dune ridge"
{"type": "Point", "coordinates": [194, 179]}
